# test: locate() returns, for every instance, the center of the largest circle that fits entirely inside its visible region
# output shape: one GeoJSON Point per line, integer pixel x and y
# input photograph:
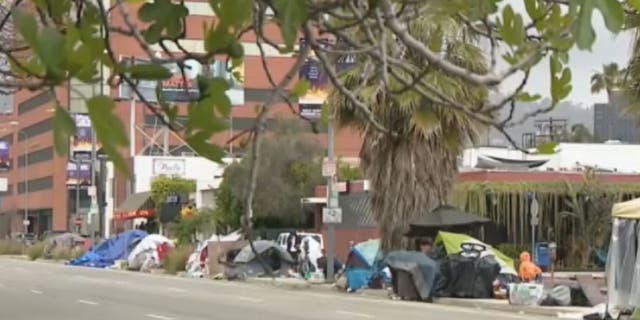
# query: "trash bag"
{"type": "Point", "coordinates": [525, 294]}
{"type": "Point", "coordinates": [558, 296]}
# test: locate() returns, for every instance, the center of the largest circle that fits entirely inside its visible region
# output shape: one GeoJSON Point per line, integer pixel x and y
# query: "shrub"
{"type": "Point", "coordinates": [35, 251]}
{"type": "Point", "coordinates": [513, 251]}
{"type": "Point", "coordinates": [62, 253]}
{"type": "Point", "coordinates": [10, 247]}
{"type": "Point", "coordinates": [176, 260]}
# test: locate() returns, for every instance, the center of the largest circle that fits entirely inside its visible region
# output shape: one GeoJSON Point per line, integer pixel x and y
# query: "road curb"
{"type": "Point", "coordinates": [295, 284]}
{"type": "Point", "coordinates": [470, 303]}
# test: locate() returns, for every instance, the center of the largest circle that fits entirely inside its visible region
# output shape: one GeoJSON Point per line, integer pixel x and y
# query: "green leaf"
{"type": "Point", "coordinates": [50, 48]}
{"type": "Point", "coordinates": [512, 27]}
{"type": "Point", "coordinates": [149, 71]}
{"type": "Point", "coordinates": [613, 14]}
{"type": "Point", "coordinates": [233, 13]}
{"type": "Point", "coordinates": [63, 128]}
{"type": "Point", "coordinates": [199, 142]}
{"type": "Point", "coordinates": [109, 129]}
{"type": "Point", "coordinates": [27, 26]}
{"type": "Point", "coordinates": [300, 88]}
{"type": "Point", "coordinates": [526, 97]}
{"type": "Point", "coordinates": [583, 30]}
{"type": "Point", "coordinates": [635, 4]}
{"type": "Point", "coordinates": [291, 14]}
{"type": "Point", "coordinates": [547, 148]}
{"type": "Point", "coordinates": [165, 18]}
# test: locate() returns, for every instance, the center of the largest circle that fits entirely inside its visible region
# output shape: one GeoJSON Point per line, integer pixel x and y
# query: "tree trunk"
{"type": "Point", "coordinates": [409, 176]}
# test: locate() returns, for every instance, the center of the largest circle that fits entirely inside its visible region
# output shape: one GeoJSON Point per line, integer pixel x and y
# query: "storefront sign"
{"type": "Point", "coordinates": [169, 167]}
{"type": "Point", "coordinates": [134, 214]}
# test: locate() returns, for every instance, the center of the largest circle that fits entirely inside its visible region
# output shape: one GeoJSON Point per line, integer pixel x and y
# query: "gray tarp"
{"type": "Point", "coordinates": [423, 270]}
{"type": "Point", "coordinates": [247, 265]}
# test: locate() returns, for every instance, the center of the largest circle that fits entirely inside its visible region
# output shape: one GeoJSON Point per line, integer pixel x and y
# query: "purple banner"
{"type": "Point", "coordinates": [81, 142]}
{"type": "Point", "coordinates": [5, 156]}
{"type": "Point", "coordinates": [78, 174]}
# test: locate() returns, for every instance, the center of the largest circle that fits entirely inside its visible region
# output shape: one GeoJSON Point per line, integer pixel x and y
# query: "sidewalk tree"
{"type": "Point", "coordinates": [415, 59]}
{"type": "Point", "coordinates": [289, 170]}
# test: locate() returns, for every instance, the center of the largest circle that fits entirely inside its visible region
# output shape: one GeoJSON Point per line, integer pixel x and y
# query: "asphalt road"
{"type": "Point", "coordinates": [45, 291]}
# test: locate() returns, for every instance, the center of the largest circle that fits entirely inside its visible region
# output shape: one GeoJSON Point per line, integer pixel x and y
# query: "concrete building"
{"type": "Point", "coordinates": [39, 184]}
{"type": "Point", "coordinates": [610, 122]}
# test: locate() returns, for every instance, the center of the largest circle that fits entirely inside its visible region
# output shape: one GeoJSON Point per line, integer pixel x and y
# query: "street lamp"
{"type": "Point", "coordinates": [25, 171]}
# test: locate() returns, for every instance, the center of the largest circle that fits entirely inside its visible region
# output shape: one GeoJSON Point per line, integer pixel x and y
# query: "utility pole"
{"type": "Point", "coordinates": [25, 148]}
{"type": "Point", "coordinates": [332, 214]}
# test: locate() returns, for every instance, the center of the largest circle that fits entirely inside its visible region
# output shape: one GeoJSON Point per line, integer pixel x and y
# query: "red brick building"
{"type": "Point", "coordinates": [29, 130]}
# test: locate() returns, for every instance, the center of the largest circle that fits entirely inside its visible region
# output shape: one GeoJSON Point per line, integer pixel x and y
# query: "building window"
{"type": "Point", "coordinates": [35, 102]}
{"type": "Point", "coordinates": [36, 129]}
{"type": "Point", "coordinates": [38, 156]}
{"type": "Point", "coordinates": [8, 192]}
{"type": "Point", "coordinates": [35, 185]}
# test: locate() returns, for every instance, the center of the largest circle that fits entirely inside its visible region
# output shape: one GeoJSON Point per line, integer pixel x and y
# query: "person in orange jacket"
{"type": "Point", "coordinates": [528, 270]}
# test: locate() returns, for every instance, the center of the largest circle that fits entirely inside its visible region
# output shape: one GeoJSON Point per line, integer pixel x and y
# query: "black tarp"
{"type": "Point", "coordinates": [412, 268]}
{"type": "Point", "coordinates": [247, 264]}
{"type": "Point", "coordinates": [468, 276]}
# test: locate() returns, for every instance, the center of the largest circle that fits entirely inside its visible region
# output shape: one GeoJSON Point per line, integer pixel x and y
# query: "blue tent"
{"type": "Point", "coordinates": [363, 264]}
{"type": "Point", "coordinates": [114, 248]}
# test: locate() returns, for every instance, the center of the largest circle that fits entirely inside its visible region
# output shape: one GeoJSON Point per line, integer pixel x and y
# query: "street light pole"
{"type": "Point", "coordinates": [25, 172]}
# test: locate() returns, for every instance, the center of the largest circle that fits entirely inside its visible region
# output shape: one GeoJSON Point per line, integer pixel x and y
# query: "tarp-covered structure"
{"type": "Point", "coordinates": [453, 243]}
{"type": "Point", "coordinates": [65, 240]}
{"type": "Point", "coordinates": [414, 275]}
{"type": "Point", "coordinates": [248, 264]}
{"type": "Point", "coordinates": [623, 260]}
{"type": "Point", "coordinates": [115, 248]}
{"type": "Point", "coordinates": [363, 264]}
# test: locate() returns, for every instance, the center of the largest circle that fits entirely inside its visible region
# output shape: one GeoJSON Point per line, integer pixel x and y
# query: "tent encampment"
{"type": "Point", "coordinates": [414, 275]}
{"type": "Point", "coordinates": [363, 263]}
{"type": "Point", "coordinates": [115, 248]}
{"type": "Point", "coordinates": [453, 244]}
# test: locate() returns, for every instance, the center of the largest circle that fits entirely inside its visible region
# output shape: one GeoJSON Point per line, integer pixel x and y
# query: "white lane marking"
{"type": "Point", "coordinates": [176, 289]}
{"type": "Point", "coordinates": [355, 314]}
{"type": "Point", "coordinates": [159, 317]}
{"type": "Point", "coordinates": [36, 291]}
{"type": "Point", "coordinates": [249, 299]}
{"type": "Point", "coordinates": [92, 303]}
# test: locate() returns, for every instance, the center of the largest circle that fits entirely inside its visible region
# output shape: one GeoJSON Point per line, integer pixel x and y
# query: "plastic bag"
{"type": "Point", "coordinates": [525, 294]}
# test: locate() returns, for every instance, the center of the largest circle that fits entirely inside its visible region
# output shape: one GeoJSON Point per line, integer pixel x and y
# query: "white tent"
{"type": "Point", "coordinates": [623, 260]}
{"type": "Point", "coordinates": [147, 249]}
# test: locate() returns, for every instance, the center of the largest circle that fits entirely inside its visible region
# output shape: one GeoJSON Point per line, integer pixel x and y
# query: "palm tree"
{"type": "Point", "coordinates": [413, 172]}
{"type": "Point", "coordinates": [610, 79]}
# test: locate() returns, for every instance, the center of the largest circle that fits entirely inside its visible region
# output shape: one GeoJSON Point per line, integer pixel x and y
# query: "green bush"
{"type": "Point", "coordinates": [10, 247]}
{"type": "Point", "coordinates": [35, 251]}
{"type": "Point", "coordinates": [176, 260]}
{"type": "Point", "coordinates": [62, 253]}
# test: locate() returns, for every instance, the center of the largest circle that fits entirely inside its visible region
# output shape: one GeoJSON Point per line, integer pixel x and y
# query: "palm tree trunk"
{"type": "Point", "coordinates": [409, 177]}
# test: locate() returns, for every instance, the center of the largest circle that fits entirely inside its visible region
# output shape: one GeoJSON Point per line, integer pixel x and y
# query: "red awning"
{"type": "Point", "coordinates": [127, 215]}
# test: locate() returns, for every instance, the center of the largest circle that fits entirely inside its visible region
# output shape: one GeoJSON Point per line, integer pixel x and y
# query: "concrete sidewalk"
{"type": "Point", "coordinates": [481, 304]}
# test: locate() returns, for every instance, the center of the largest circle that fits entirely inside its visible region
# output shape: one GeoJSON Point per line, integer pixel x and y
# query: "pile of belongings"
{"type": "Point", "coordinates": [470, 267]}
{"type": "Point", "coordinates": [270, 258]}
{"type": "Point", "coordinates": [197, 264]}
{"type": "Point", "coordinates": [111, 250]}
{"type": "Point", "coordinates": [149, 253]}
{"type": "Point", "coordinates": [65, 241]}
{"type": "Point", "coordinates": [364, 267]}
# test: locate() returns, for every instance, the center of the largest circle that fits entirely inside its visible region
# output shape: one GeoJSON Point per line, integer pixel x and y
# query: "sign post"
{"type": "Point", "coordinates": [534, 222]}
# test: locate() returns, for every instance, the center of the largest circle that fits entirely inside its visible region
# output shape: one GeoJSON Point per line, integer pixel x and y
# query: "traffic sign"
{"type": "Point", "coordinates": [331, 215]}
{"type": "Point", "coordinates": [328, 168]}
